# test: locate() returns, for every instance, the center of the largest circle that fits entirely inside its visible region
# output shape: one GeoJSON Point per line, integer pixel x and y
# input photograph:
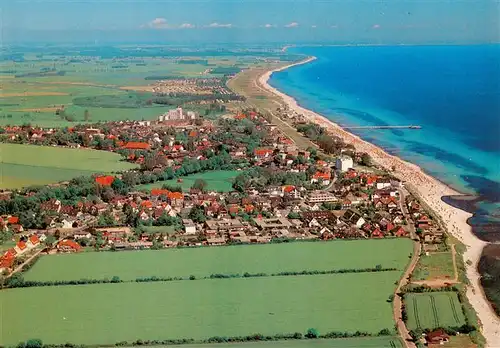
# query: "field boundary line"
{"type": "Point", "coordinates": [434, 311]}
{"type": "Point", "coordinates": [415, 312]}
{"type": "Point", "coordinates": [453, 309]}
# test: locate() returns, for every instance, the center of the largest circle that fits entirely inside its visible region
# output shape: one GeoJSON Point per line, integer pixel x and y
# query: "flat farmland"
{"type": "Point", "coordinates": [24, 165]}
{"type": "Point", "coordinates": [433, 310]}
{"type": "Point", "coordinates": [31, 97]}
{"type": "Point", "coordinates": [355, 342]}
{"type": "Point", "coordinates": [219, 180]}
{"type": "Point", "coordinates": [198, 309]}
{"type": "Point", "coordinates": [200, 262]}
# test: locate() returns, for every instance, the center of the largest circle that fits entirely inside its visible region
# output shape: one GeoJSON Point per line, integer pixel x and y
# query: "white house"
{"type": "Point", "coordinates": [383, 183]}
{"type": "Point", "coordinates": [344, 163]}
{"type": "Point", "coordinates": [189, 226]}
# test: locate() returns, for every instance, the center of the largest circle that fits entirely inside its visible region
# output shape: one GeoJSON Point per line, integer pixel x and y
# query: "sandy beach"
{"type": "Point", "coordinates": [430, 190]}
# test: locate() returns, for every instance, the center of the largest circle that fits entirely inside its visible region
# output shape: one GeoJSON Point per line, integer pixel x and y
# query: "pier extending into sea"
{"type": "Point", "coordinates": [384, 127]}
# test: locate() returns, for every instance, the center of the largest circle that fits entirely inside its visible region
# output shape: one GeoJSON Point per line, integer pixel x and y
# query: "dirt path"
{"type": "Point", "coordinates": [398, 301]}
{"type": "Point", "coordinates": [20, 267]}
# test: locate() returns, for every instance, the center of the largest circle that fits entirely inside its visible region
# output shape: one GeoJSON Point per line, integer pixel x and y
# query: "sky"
{"type": "Point", "coordinates": [401, 21]}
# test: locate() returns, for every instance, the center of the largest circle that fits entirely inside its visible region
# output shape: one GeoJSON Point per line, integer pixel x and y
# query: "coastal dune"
{"type": "Point", "coordinates": [430, 191]}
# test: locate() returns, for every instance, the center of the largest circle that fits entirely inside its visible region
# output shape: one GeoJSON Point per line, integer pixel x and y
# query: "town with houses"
{"type": "Point", "coordinates": [279, 192]}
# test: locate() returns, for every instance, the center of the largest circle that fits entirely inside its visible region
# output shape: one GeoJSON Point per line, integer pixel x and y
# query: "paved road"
{"type": "Point", "coordinates": [403, 193]}
{"type": "Point", "coordinates": [397, 308]}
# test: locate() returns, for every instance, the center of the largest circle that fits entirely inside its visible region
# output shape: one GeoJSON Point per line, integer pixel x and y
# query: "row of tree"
{"type": "Point", "coordinates": [311, 333]}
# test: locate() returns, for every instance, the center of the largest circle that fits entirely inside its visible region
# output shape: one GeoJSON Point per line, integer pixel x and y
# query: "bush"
{"type": "Point", "coordinates": [312, 333]}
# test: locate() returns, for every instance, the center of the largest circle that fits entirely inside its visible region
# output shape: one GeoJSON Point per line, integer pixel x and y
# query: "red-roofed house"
{"type": "Point", "coordinates": [160, 192]}
{"type": "Point", "coordinates": [68, 246]}
{"type": "Point", "coordinates": [400, 232]}
{"type": "Point", "coordinates": [323, 177]}
{"type": "Point", "coordinates": [7, 259]}
{"type": "Point", "coordinates": [105, 180]}
{"type": "Point", "coordinates": [13, 220]}
{"type": "Point", "coordinates": [262, 153]}
{"type": "Point", "coordinates": [377, 233]}
{"type": "Point", "coordinates": [176, 199]}
{"type": "Point", "coordinates": [21, 247]}
{"type": "Point", "coordinates": [147, 204]}
{"type": "Point", "coordinates": [33, 241]}
{"type": "Point", "coordinates": [134, 145]}
{"type": "Point", "coordinates": [437, 337]}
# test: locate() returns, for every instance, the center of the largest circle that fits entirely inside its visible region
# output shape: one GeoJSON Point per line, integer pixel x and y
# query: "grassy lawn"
{"type": "Point", "coordinates": [24, 165]}
{"type": "Point", "coordinates": [433, 310]}
{"type": "Point", "coordinates": [369, 342]}
{"type": "Point", "coordinates": [267, 258]}
{"type": "Point", "coordinates": [434, 266]}
{"type": "Point", "coordinates": [108, 313]}
{"type": "Point", "coordinates": [219, 180]}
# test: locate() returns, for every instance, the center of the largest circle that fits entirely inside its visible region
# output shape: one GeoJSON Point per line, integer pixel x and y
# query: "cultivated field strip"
{"type": "Point", "coordinates": [202, 262]}
{"type": "Point", "coordinates": [454, 309]}
{"type": "Point", "coordinates": [198, 309]}
{"type": "Point", "coordinates": [433, 310]}
{"type": "Point", "coordinates": [415, 313]}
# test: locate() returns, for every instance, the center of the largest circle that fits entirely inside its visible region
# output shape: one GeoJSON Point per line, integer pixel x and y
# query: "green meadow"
{"type": "Point", "coordinates": [200, 262]}
{"type": "Point", "coordinates": [433, 310]}
{"type": "Point", "coordinates": [25, 165]}
{"type": "Point", "coordinates": [218, 180]}
{"type": "Point", "coordinates": [198, 309]}
{"type": "Point", "coordinates": [434, 265]}
{"type": "Point", "coordinates": [362, 342]}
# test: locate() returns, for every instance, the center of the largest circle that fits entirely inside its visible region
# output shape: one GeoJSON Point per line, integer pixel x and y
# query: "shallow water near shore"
{"type": "Point", "coordinates": [453, 92]}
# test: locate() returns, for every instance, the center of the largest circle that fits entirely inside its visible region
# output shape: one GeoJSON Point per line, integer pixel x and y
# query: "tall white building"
{"type": "Point", "coordinates": [177, 115]}
{"type": "Point", "coordinates": [344, 163]}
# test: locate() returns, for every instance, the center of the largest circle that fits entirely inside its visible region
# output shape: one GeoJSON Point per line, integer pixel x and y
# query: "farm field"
{"type": "Point", "coordinates": [434, 266]}
{"type": "Point", "coordinates": [25, 165]}
{"type": "Point", "coordinates": [32, 97]}
{"type": "Point", "coordinates": [219, 180]}
{"type": "Point", "coordinates": [433, 310]}
{"type": "Point", "coordinates": [200, 262]}
{"type": "Point", "coordinates": [198, 309]}
{"type": "Point", "coordinates": [355, 342]}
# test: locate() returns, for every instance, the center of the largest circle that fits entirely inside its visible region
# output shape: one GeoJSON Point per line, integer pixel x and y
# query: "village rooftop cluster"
{"type": "Point", "coordinates": [279, 192]}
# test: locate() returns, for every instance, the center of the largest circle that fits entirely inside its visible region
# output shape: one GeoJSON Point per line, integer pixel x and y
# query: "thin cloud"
{"type": "Point", "coordinates": [187, 26]}
{"type": "Point", "coordinates": [376, 26]}
{"type": "Point", "coordinates": [335, 26]}
{"type": "Point", "coordinates": [269, 25]}
{"type": "Point", "coordinates": [292, 25]}
{"type": "Point", "coordinates": [314, 26]}
{"type": "Point", "coordinates": [219, 25]}
{"type": "Point", "coordinates": [158, 23]}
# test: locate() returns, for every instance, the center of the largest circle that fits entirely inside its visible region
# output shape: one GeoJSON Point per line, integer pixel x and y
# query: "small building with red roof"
{"type": "Point", "coordinates": [135, 145]}
{"type": "Point", "coordinates": [105, 180]}
{"type": "Point", "coordinates": [13, 220]}
{"type": "Point", "coordinates": [33, 241]}
{"type": "Point", "coordinates": [262, 153]}
{"type": "Point", "coordinates": [21, 247]}
{"type": "Point", "coordinates": [322, 177]}
{"type": "Point", "coordinates": [68, 246]}
{"type": "Point", "coordinates": [159, 192]}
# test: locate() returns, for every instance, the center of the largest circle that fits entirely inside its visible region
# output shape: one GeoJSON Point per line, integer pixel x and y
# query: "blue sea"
{"type": "Point", "coordinates": [453, 92]}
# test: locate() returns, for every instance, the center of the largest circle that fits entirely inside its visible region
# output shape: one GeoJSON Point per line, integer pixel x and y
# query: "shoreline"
{"type": "Point", "coordinates": [430, 191]}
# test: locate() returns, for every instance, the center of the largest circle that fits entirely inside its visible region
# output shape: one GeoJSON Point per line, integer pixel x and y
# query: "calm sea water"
{"type": "Point", "coordinates": [453, 92]}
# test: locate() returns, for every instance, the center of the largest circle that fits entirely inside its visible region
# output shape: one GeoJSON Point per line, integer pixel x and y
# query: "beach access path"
{"type": "Point", "coordinates": [429, 189]}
